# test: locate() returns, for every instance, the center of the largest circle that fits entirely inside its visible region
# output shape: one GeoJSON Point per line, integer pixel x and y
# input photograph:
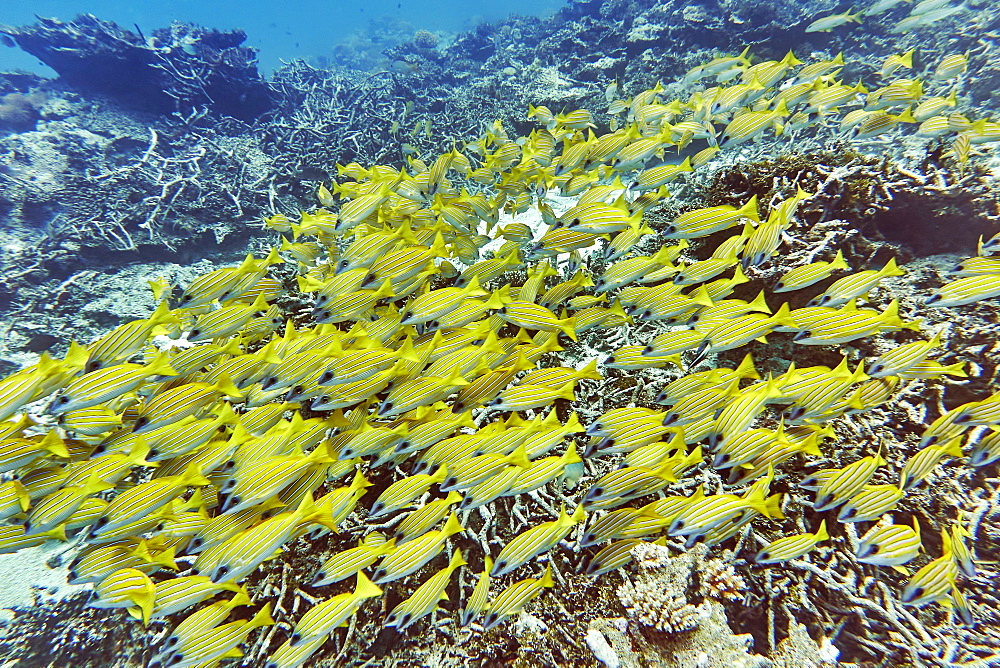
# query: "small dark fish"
{"type": "Point", "coordinates": [39, 343]}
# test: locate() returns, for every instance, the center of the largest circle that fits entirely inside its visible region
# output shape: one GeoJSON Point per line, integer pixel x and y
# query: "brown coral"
{"type": "Point", "coordinates": [425, 39]}
{"type": "Point", "coordinates": [720, 581]}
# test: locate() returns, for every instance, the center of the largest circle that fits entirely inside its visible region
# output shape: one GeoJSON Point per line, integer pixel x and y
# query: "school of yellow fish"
{"type": "Point", "coordinates": [204, 438]}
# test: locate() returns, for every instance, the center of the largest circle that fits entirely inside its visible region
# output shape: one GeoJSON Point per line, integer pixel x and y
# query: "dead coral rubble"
{"type": "Point", "coordinates": [181, 68]}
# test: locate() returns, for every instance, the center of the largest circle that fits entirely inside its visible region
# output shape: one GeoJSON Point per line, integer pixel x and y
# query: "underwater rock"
{"type": "Point", "coordinates": [18, 111]}
{"type": "Point", "coordinates": [182, 68]}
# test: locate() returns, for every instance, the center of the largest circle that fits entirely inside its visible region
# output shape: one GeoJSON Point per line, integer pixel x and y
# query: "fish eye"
{"type": "Point", "coordinates": [221, 572]}
{"type": "Point", "coordinates": [763, 556]}
{"type": "Point", "coordinates": [780, 284]}
{"type": "Point", "coordinates": [850, 512]}
{"type": "Point", "coordinates": [405, 620]}
{"type": "Point", "coordinates": [596, 491]}
{"type": "Point", "coordinates": [103, 521]}
{"type": "Point", "coordinates": [195, 332]}
{"type": "Point", "coordinates": [679, 524]}
{"type": "Point", "coordinates": [61, 399]}
{"type": "Point", "coordinates": [296, 637]}
{"type": "Point", "coordinates": [235, 501]}
{"type": "Point", "coordinates": [387, 405]}
{"type": "Point", "coordinates": [917, 593]}
{"type": "Point", "coordinates": [646, 314]}
{"type": "Point", "coordinates": [874, 549]}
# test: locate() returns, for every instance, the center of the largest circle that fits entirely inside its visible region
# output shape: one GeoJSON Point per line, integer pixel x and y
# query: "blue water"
{"type": "Point", "coordinates": [282, 31]}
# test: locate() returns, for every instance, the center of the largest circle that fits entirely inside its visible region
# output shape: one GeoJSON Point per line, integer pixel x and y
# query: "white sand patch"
{"type": "Point", "coordinates": [25, 572]}
{"type": "Point", "coordinates": [533, 219]}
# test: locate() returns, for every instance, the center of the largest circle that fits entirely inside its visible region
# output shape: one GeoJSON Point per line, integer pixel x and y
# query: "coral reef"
{"type": "Point", "coordinates": [87, 188]}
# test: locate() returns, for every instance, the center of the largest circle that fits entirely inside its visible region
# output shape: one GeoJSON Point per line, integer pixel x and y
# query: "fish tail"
{"type": "Point", "coordinates": [262, 618]}
{"type": "Point", "coordinates": [568, 327]}
{"type": "Point", "coordinates": [366, 588]}
{"type": "Point", "coordinates": [821, 532]}
{"type": "Point", "coordinates": [838, 261]}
